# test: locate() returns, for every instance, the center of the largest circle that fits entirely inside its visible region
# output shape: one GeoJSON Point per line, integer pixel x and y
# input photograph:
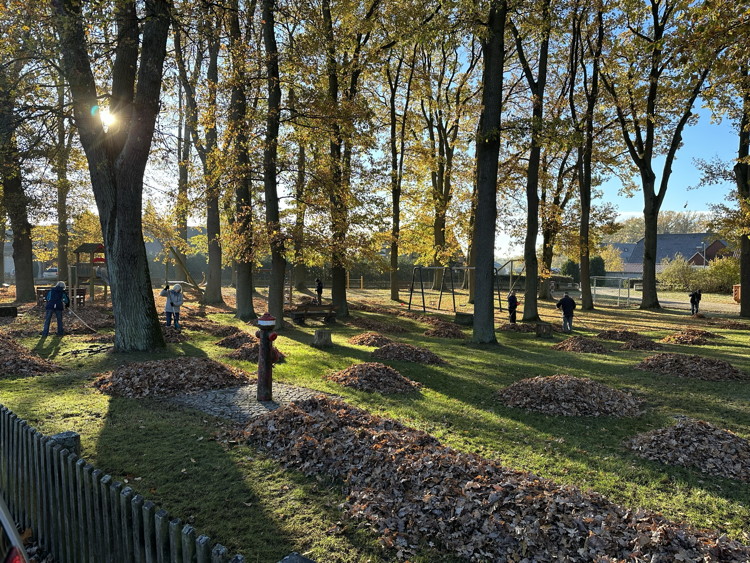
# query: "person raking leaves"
{"type": "Point", "coordinates": [172, 306]}
{"type": "Point", "coordinates": [57, 301]}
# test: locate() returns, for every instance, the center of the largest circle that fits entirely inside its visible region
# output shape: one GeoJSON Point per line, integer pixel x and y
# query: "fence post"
{"type": "Point", "coordinates": [126, 523]}
{"type": "Point", "coordinates": [104, 487]}
{"type": "Point", "coordinates": [203, 549]}
{"type": "Point", "coordinates": [188, 544]}
{"type": "Point", "coordinates": [149, 531]}
{"type": "Point", "coordinates": [175, 541]}
{"type": "Point", "coordinates": [137, 515]}
{"type": "Point", "coordinates": [161, 524]}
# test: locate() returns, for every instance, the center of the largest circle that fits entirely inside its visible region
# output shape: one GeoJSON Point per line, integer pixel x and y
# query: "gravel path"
{"type": "Point", "coordinates": [240, 404]}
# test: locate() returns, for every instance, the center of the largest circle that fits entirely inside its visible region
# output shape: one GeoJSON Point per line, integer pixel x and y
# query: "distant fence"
{"type": "Point", "coordinates": [80, 515]}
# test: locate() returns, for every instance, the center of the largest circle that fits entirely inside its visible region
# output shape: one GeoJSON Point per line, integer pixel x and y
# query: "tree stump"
{"type": "Point", "coordinates": [464, 319]}
{"type": "Point", "coordinates": [544, 330]}
{"type": "Point", "coordinates": [322, 339]}
{"type": "Point", "coordinates": [8, 311]}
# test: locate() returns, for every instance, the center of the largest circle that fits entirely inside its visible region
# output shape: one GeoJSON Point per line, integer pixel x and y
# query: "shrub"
{"type": "Point", "coordinates": [572, 269]}
{"type": "Point", "coordinates": [720, 275]}
{"type": "Point", "coordinates": [678, 274]}
{"type": "Point", "coordinates": [596, 266]}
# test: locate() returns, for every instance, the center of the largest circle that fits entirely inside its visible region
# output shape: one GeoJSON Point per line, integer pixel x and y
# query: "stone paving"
{"type": "Point", "coordinates": [240, 404]}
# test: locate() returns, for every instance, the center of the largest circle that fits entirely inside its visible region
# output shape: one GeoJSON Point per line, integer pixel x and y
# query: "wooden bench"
{"type": "Point", "coordinates": [80, 295]}
{"type": "Point", "coordinates": [326, 312]}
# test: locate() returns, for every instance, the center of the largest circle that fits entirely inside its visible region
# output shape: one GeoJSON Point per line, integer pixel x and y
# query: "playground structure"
{"type": "Point", "coordinates": [447, 273]}
{"type": "Point", "coordinates": [91, 271]}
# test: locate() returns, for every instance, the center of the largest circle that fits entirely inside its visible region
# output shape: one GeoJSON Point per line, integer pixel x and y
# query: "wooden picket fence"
{"type": "Point", "coordinates": [80, 515]}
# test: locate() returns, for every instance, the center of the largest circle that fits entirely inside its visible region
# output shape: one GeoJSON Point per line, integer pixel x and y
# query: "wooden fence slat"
{"type": "Point", "coordinates": [50, 492]}
{"type": "Point", "coordinates": [13, 479]}
{"type": "Point", "coordinates": [126, 524]}
{"type": "Point", "coordinates": [161, 525]}
{"type": "Point", "coordinates": [58, 504]}
{"type": "Point", "coordinates": [114, 495]}
{"type": "Point", "coordinates": [67, 549]}
{"type": "Point", "coordinates": [72, 495]}
{"type": "Point", "coordinates": [219, 554]}
{"type": "Point", "coordinates": [188, 544]}
{"type": "Point", "coordinates": [96, 514]}
{"type": "Point", "coordinates": [175, 541]}
{"type": "Point", "coordinates": [4, 425]}
{"type": "Point", "coordinates": [136, 506]}
{"type": "Point", "coordinates": [203, 549]}
{"type": "Point", "coordinates": [82, 538]}
{"type": "Point", "coordinates": [104, 490]}
{"type": "Point", "coordinates": [149, 532]}
{"type": "Point", "coordinates": [23, 473]}
{"type": "Point", "coordinates": [90, 508]}
{"type": "Point", "coordinates": [37, 482]}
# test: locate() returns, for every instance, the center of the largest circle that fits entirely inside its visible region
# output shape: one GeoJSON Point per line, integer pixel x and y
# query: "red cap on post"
{"type": "Point", "coordinates": [267, 321]}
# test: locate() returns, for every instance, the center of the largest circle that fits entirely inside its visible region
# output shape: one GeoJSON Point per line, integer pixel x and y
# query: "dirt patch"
{"type": "Point", "coordinates": [375, 325]}
{"type": "Point", "coordinates": [407, 353]}
{"type": "Point", "coordinates": [691, 366]}
{"type": "Point", "coordinates": [237, 339]}
{"type": "Point", "coordinates": [374, 377]}
{"type": "Point", "coordinates": [580, 344]}
{"type": "Point", "coordinates": [370, 339]}
{"type": "Point", "coordinates": [695, 443]}
{"type": "Point", "coordinates": [641, 344]}
{"type": "Point", "coordinates": [443, 329]}
{"type": "Point", "coordinates": [251, 351]}
{"type": "Point", "coordinates": [413, 490]}
{"type": "Point", "coordinates": [619, 334]}
{"type": "Point", "coordinates": [164, 378]}
{"type": "Point", "coordinates": [18, 361]}
{"type": "Point", "coordinates": [569, 396]}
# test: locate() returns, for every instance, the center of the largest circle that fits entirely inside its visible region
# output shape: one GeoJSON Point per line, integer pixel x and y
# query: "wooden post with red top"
{"type": "Point", "coordinates": [265, 361]}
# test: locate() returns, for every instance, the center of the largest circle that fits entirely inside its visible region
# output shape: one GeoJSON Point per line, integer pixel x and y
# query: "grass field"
{"type": "Point", "coordinates": [181, 460]}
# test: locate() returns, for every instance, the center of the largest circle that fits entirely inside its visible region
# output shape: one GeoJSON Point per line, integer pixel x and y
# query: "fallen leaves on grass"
{"type": "Point", "coordinates": [641, 344]}
{"type": "Point", "coordinates": [164, 378]}
{"type": "Point", "coordinates": [237, 339]}
{"type": "Point", "coordinates": [518, 327]}
{"type": "Point", "coordinates": [569, 396]}
{"type": "Point", "coordinates": [580, 344]}
{"type": "Point", "coordinates": [730, 324]}
{"type": "Point", "coordinates": [370, 339]}
{"type": "Point", "coordinates": [693, 338]}
{"type": "Point", "coordinates": [415, 491]}
{"type": "Point", "coordinates": [444, 329]}
{"type": "Point", "coordinates": [374, 377]}
{"type": "Point", "coordinates": [211, 327]}
{"type": "Point", "coordinates": [407, 353]}
{"type": "Point", "coordinates": [696, 443]}
{"type": "Point", "coordinates": [251, 352]}
{"type": "Point", "coordinates": [691, 366]}
{"type": "Point", "coordinates": [17, 361]}
{"type": "Point", "coordinates": [173, 336]}
{"type": "Point", "coordinates": [619, 334]}
{"type": "Point", "coordinates": [375, 325]}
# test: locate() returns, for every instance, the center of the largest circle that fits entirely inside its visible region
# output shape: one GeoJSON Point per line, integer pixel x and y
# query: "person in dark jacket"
{"type": "Point", "coordinates": [566, 305]}
{"type": "Point", "coordinates": [175, 299]}
{"type": "Point", "coordinates": [695, 301]}
{"type": "Point", "coordinates": [512, 306]}
{"type": "Point", "coordinates": [319, 290]}
{"type": "Point", "coordinates": [57, 301]}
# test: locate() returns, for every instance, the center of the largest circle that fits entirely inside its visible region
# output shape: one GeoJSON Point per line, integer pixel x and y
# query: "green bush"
{"type": "Point", "coordinates": [677, 274]}
{"type": "Point", "coordinates": [720, 275]}
{"type": "Point", "coordinates": [596, 266]}
{"type": "Point", "coordinates": [572, 269]}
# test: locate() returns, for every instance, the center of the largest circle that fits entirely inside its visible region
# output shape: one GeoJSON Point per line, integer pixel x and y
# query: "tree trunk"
{"type": "Point", "coordinates": [299, 269]}
{"type": "Point", "coordinates": [16, 204]}
{"type": "Point", "coordinates": [117, 158]}
{"type": "Point", "coordinates": [278, 262]}
{"type": "Point", "coordinates": [488, 150]}
{"type": "Point", "coordinates": [184, 147]}
{"type": "Point", "coordinates": [742, 177]}
{"type": "Point", "coordinates": [63, 186]}
{"type": "Point", "coordinates": [3, 233]}
{"type": "Point", "coordinates": [649, 298]}
{"type": "Point", "coordinates": [548, 242]}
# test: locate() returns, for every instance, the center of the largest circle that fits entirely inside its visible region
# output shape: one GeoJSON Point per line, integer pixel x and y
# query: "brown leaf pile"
{"type": "Point", "coordinates": [730, 324]}
{"type": "Point", "coordinates": [237, 339]}
{"type": "Point", "coordinates": [211, 327]}
{"type": "Point", "coordinates": [375, 325]}
{"type": "Point", "coordinates": [641, 344]}
{"type": "Point", "coordinates": [580, 344]}
{"type": "Point", "coordinates": [696, 443]}
{"type": "Point", "coordinates": [414, 491]}
{"type": "Point", "coordinates": [407, 353]}
{"type": "Point", "coordinates": [164, 378]}
{"type": "Point", "coordinates": [374, 377]}
{"type": "Point", "coordinates": [17, 361]}
{"type": "Point", "coordinates": [569, 396]}
{"type": "Point", "coordinates": [685, 337]}
{"type": "Point", "coordinates": [444, 329]}
{"type": "Point", "coordinates": [691, 366]}
{"type": "Point", "coordinates": [173, 336]}
{"type": "Point", "coordinates": [370, 339]}
{"type": "Point", "coordinates": [518, 327]}
{"type": "Point", "coordinates": [619, 334]}
{"type": "Point", "coordinates": [251, 351]}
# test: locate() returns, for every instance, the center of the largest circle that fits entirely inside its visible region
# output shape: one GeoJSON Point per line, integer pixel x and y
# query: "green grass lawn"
{"type": "Point", "coordinates": [181, 460]}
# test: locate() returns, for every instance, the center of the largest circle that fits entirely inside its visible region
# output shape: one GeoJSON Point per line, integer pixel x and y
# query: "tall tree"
{"type": "Point", "coordinates": [488, 151]}
{"type": "Point", "coordinates": [117, 157]}
{"type": "Point", "coordinates": [653, 76]}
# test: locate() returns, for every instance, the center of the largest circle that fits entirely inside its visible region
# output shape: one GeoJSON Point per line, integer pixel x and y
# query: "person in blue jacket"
{"type": "Point", "coordinates": [512, 307]}
{"type": "Point", "coordinates": [174, 302]}
{"type": "Point", "coordinates": [566, 305]}
{"type": "Point", "coordinates": [57, 300]}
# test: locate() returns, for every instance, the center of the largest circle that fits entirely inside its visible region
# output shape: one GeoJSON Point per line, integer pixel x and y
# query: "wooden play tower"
{"type": "Point", "coordinates": [90, 269]}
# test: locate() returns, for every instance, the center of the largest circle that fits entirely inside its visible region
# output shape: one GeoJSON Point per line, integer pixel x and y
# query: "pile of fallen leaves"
{"type": "Point", "coordinates": [444, 329]}
{"type": "Point", "coordinates": [237, 339]}
{"type": "Point", "coordinates": [518, 327]}
{"type": "Point", "coordinates": [211, 327]}
{"type": "Point", "coordinates": [250, 352]}
{"type": "Point", "coordinates": [17, 361]}
{"type": "Point", "coordinates": [580, 344]}
{"type": "Point", "coordinates": [164, 378]}
{"type": "Point", "coordinates": [374, 377]}
{"type": "Point", "coordinates": [692, 366]}
{"type": "Point", "coordinates": [415, 491]}
{"type": "Point", "coordinates": [375, 325]}
{"type": "Point", "coordinates": [370, 339]}
{"type": "Point", "coordinates": [569, 396]}
{"type": "Point", "coordinates": [685, 337]}
{"type": "Point", "coordinates": [641, 344]}
{"type": "Point", "coordinates": [619, 334]}
{"type": "Point", "coordinates": [730, 324]}
{"type": "Point", "coordinates": [695, 443]}
{"type": "Point", "coordinates": [407, 353]}
{"type": "Point", "coordinates": [173, 336]}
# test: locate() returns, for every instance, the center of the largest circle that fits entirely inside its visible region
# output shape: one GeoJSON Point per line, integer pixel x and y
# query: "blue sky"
{"type": "Point", "coordinates": [705, 140]}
